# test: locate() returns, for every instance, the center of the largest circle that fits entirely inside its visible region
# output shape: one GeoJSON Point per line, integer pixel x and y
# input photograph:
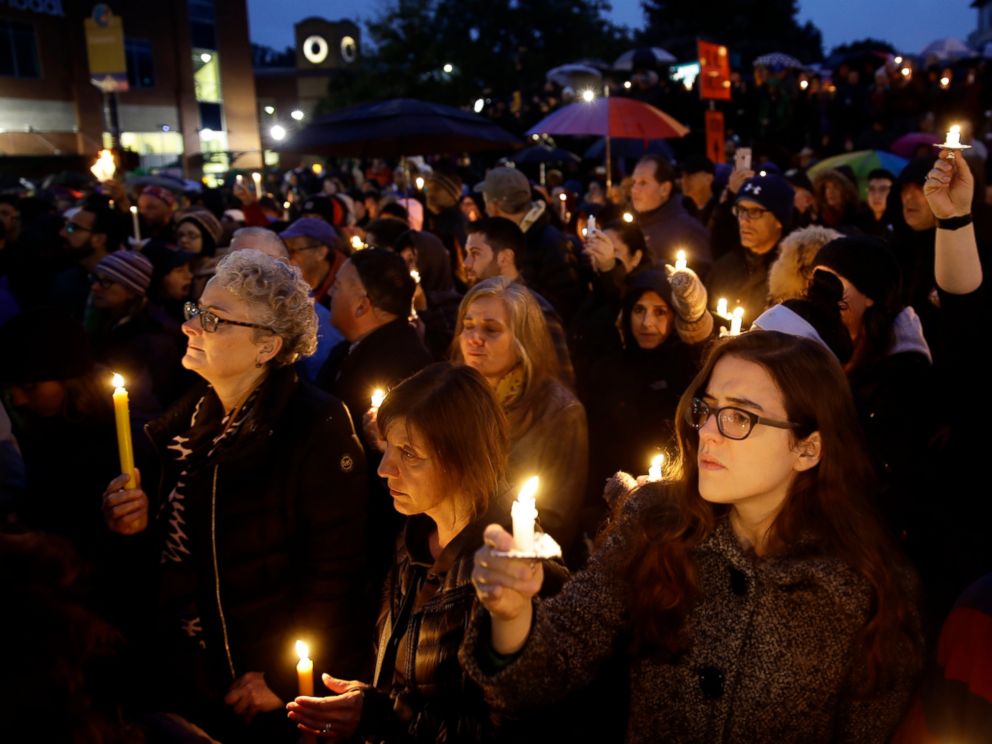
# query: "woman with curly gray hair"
{"type": "Point", "coordinates": [260, 535]}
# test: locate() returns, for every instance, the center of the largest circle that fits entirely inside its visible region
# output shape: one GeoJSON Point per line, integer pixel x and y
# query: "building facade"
{"type": "Point", "coordinates": [191, 101]}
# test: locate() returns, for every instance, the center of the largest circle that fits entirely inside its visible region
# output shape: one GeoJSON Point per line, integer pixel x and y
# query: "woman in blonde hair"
{"type": "Point", "coordinates": [501, 332]}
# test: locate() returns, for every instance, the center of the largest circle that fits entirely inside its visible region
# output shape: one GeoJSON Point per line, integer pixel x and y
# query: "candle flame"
{"type": "Point", "coordinates": [562, 197]}
{"type": "Point", "coordinates": [529, 489]}
{"type": "Point", "coordinates": [628, 217]}
{"type": "Point", "coordinates": [378, 395]}
{"type": "Point", "coordinates": [256, 177]}
{"type": "Point", "coordinates": [680, 255]}
{"type": "Point", "coordinates": [357, 243]}
{"type": "Point", "coordinates": [739, 312]}
{"type": "Point", "coordinates": [134, 209]}
{"type": "Point", "coordinates": [117, 381]}
{"type": "Point", "coordinates": [104, 167]}
{"type": "Point", "coordinates": [657, 461]}
{"type": "Point", "coordinates": [302, 650]}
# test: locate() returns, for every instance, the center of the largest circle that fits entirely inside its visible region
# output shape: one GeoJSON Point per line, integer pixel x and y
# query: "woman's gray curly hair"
{"type": "Point", "coordinates": [278, 297]}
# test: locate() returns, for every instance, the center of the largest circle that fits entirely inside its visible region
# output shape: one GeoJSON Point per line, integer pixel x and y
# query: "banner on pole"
{"type": "Point", "coordinates": [714, 71]}
{"type": "Point", "coordinates": [105, 49]}
{"type": "Point", "coordinates": [715, 136]}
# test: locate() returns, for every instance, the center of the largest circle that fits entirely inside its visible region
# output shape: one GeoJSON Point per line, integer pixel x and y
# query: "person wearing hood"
{"type": "Point", "coordinates": [890, 366]}
{"type": "Point", "coordinates": [437, 301]}
{"type": "Point", "coordinates": [632, 395]}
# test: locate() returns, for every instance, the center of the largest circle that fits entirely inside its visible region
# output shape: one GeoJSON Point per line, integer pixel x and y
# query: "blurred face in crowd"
{"type": "Point", "coordinates": [308, 254]}
{"type": "Point", "coordinates": [759, 228]}
{"type": "Point", "coordinates": [10, 218]}
{"type": "Point", "coordinates": [176, 284]}
{"type": "Point", "coordinates": [651, 320]}
{"type": "Point", "coordinates": [622, 251]}
{"type": "Point", "coordinates": [833, 195]}
{"type": "Point", "coordinates": [78, 231]}
{"type": "Point", "coordinates": [189, 237]}
{"type": "Point", "coordinates": [349, 301]}
{"type": "Point", "coordinates": [878, 194]}
{"type": "Point", "coordinates": [645, 192]}
{"type": "Point", "coordinates": [752, 474]}
{"type": "Point", "coordinates": [486, 340]}
{"type": "Point", "coordinates": [470, 209]}
{"type": "Point", "coordinates": [480, 261]}
{"type": "Point", "coordinates": [154, 211]}
{"type": "Point", "coordinates": [45, 398]}
{"type": "Point", "coordinates": [852, 305]}
{"type": "Point", "coordinates": [803, 200]}
{"type": "Point", "coordinates": [107, 294]}
{"type": "Point", "coordinates": [915, 209]}
{"type": "Point", "coordinates": [697, 186]}
{"type": "Point", "coordinates": [411, 470]}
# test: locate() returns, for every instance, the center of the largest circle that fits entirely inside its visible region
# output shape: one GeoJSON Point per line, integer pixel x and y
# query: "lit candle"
{"type": "Point", "coordinates": [680, 261]}
{"type": "Point", "coordinates": [357, 243]}
{"type": "Point", "coordinates": [953, 136]}
{"type": "Point", "coordinates": [416, 275]}
{"type": "Point", "coordinates": [134, 223]}
{"type": "Point", "coordinates": [304, 670]}
{"type": "Point", "coordinates": [420, 183]}
{"type": "Point", "coordinates": [736, 320]}
{"type": "Point", "coordinates": [628, 217]}
{"type": "Point", "coordinates": [654, 472]}
{"type": "Point", "coordinates": [524, 514]}
{"type": "Point", "coordinates": [378, 395]}
{"type": "Point", "coordinates": [104, 168]}
{"type": "Point", "coordinates": [124, 447]}
{"type": "Point", "coordinates": [257, 178]}
{"type": "Point", "coordinates": [562, 198]}
{"type": "Point", "coordinates": [721, 307]}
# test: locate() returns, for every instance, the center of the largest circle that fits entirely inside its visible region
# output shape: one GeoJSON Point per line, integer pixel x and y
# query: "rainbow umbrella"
{"type": "Point", "coordinates": [862, 162]}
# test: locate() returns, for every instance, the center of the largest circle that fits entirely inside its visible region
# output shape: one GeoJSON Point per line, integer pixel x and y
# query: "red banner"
{"type": "Point", "coordinates": [714, 136]}
{"type": "Point", "coordinates": [714, 71]}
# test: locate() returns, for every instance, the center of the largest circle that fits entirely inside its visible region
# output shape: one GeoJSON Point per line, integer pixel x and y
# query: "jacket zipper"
{"type": "Point", "coordinates": [213, 546]}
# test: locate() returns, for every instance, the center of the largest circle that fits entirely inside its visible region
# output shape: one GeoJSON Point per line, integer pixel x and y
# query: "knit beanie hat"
{"type": "Point", "coordinates": [865, 262]}
{"type": "Point", "coordinates": [162, 194]}
{"type": "Point", "coordinates": [49, 346]}
{"type": "Point", "coordinates": [331, 210]}
{"type": "Point", "coordinates": [209, 225]}
{"type": "Point", "coordinates": [128, 268]}
{"type": "Point", "coordinates": [772, 192]}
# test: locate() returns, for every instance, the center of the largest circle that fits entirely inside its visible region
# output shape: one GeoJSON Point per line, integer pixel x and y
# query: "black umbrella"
{"type": "Point", "coordinates": [544, 154]}
{"type": "Point", "coordinates": [402, 126]}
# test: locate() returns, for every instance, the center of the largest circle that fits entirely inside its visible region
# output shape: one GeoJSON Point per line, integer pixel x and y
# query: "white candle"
{"type": "Point", "coordinates": [736, 321]}
{"type": "Point", "coordinates": [654, 472]}
{"type": "Point", "coordinates": [378, 395]}
{"type": "Point", "coordinates": [134, 223]}
{"type": "Point", "coordinates": [416, 275]}
{"type": "Point", "coordinates": [953, 136]}
{"type": "Point", "coordinates": [680, 261]}
{"type": "Point", "coordinates": [721, 307]}
{"type": "Point", "coordinates": [257, 178]}
{"type": "Point", "coordinates": [524, 514]}
{"type": "Point", "coordinates": [304, 670]}
{"type": "Point", "coordinates": [123, 420]}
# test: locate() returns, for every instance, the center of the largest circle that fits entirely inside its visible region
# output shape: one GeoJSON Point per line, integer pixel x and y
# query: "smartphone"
{"type": "Point", "coordinates": [742, 158]}
{"type": "Point", "coordinates": [591, 223]}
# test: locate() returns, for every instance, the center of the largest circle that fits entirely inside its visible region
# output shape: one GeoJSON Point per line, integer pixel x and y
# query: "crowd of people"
{"type": "Point", "coordinates": [808, 566]}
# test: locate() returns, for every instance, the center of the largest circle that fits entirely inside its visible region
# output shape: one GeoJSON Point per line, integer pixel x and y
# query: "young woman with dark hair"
{"type": "Point", "coordinates": [757, 596]}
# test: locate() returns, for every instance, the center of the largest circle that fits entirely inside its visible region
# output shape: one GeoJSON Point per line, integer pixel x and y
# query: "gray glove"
{"type": "Point", "coordinates": [692, 320]}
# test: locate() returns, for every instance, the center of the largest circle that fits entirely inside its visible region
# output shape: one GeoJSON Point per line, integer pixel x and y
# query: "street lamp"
{"type": "Point", "coordinates": [588, 95]}
{"type": "Point", "coordinates": [297, 115]}
{"type": "Point", "coordinates": [448, 68]}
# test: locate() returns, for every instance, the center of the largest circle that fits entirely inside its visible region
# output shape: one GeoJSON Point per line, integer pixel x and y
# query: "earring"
{"type": "Point", "coordinates": [258, 364]}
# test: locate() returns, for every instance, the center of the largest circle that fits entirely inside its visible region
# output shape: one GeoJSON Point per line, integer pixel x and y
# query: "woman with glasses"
{"type": "Point", "coordinates": [755, 597]}
{"type": "Point", "coordinates": [259, 539]}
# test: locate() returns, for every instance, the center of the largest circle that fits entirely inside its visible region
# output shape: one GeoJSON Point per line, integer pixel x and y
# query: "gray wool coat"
{"type": "Point", "coordinates": [772, 656]}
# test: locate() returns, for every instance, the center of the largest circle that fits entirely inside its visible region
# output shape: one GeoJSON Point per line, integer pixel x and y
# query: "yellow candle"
{"type": "Point", "coordinates": [378, 395]}
{"type": "Point", "coordinates": [721, 307]}
{"type": "Point", "coordinates": [123, 430]}
{"type": "Point", "coordinates": [736, 320]}
{"type": "Point", "coordinates": [654, 472]}
{"type": "Point", "coordinates": [680, 261]}
{"type": "Point", "coordinates": [257, 178]}
{"type": "Point", "coordinates": [524, 514]}
{"type": "Point", "coordinates": [134, 223]}
{"type": "Point", "coordinates": [304, 670]}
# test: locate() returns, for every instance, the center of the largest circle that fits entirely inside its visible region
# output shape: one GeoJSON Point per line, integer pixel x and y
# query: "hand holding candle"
{"type": "Point", "coordinates": [124, 445]}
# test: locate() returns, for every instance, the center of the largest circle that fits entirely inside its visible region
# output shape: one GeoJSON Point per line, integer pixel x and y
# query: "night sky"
{"type": "Point", "coordinates": [908, 24]}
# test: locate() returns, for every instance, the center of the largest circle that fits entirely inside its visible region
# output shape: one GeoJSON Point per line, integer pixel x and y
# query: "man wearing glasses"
{"type": "Point", "coordinates": [313, 247]}
{"type": "Point", "coordinates": [763, 209]}
{"type": "Point", "coordinates": [90, 233]}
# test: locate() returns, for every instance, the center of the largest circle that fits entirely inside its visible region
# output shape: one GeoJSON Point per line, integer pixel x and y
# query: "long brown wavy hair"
{"type": "Point", "coordinates": [827, 506]}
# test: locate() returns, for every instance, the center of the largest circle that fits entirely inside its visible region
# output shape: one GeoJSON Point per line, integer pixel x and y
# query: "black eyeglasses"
{"type": "Point", "coordinates": [748, 213]}
{"type": "Point", "coordinates": [209, 321]}
{"type": "Point", "coordinates": [733, 422]}
{"type": "Point", "coordinates": [74, 227]}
